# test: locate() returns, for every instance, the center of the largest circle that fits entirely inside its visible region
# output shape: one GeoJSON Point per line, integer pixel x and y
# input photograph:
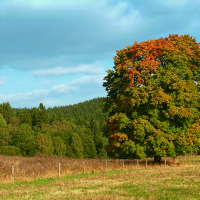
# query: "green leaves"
{"type": "Point", "coordinates": [153, 98]}
{"type": "Point", "coordinates": [59, 146]}
{"type": "Point", "coordinates": [3, 123]}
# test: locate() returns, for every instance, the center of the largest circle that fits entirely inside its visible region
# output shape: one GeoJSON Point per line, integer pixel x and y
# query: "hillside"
{"type": "Point", "coordinates": [74, 131]}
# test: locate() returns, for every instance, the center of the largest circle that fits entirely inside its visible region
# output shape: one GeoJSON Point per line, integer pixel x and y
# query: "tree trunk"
{"type": "Point", "coordinates": [157, 159]}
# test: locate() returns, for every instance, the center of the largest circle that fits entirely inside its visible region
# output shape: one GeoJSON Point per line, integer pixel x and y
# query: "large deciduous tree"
{"type": "Point", "coordinates": [153, 99]}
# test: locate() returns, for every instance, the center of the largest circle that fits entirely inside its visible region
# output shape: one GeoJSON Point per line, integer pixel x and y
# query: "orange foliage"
{"type": "Point", "coordinates": [157, 81]}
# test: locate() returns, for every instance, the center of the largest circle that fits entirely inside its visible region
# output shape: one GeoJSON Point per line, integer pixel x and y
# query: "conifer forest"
{"type": "Point", "coordinates": [74, 131]}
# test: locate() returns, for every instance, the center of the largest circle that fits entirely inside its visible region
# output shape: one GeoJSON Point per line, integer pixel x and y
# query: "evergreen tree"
{"type": "Point", "coordinates": [53, 118]}
{"type": "Point", "coordinates": [19, 139]}
{"type": "Point", "coordinates": [35, 118]}
{"type": "Point", "coordinates": [69, 152]}
{"type": "Point", "coordinates": [25, 117]}
{"type": "Point", "coordinates": [102, 153]}
{"type": "Point", "coordinates": [3, 123]}
{"type": "Point", "coordinates": [6, 111]}
{"type": "Point", "coordinates": [15, 121]}
{"type": "Point", "coordinates": [3, 137]}
{"type": "Point", "coordinates": [29, 147]}
{"type": "Point", "coordinates": [89, 147]}
{"type": "Point", "coordinates": [60, 116]}
{"type": "Point", "coordinates": [77, 146]}
{"type": "Point", "coordinates": [43, 116]}
{"type": "Point", "coordinates": [66, 130]}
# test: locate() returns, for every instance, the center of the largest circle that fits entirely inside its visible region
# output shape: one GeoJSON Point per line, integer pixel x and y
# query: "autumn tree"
{"type": "Point", "coordinates": [153, 99]}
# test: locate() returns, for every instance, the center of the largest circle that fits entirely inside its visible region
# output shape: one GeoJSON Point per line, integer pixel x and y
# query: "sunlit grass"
{"type": "Point", "coordinates": [175, 181]}
{"type": "Point", "coordinates": [181, 182]}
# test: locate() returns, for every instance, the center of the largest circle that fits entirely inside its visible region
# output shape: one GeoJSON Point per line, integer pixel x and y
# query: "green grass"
{"type": "Point", "coordinates": [190, 160]}
{"type": "Point", "coordinates": [12, 185]}
{"type": "Point", "coordinates": [171, 183]}
{"type": "Point", "coordinates": [38, 182]}
{"type": "Point", "coordinates": [45, 181]}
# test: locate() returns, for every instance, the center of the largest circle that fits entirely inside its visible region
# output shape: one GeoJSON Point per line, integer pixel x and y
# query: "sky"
{"type": "Point", "coordinates": [56, 52]}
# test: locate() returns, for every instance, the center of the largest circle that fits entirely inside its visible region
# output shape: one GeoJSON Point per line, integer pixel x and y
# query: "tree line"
{"type": "Point", "coordinates": [74, 131]}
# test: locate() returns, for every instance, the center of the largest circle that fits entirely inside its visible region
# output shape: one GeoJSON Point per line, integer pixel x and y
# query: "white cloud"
{"type": "Point", "coordinates": [81, 30]}
{"type": "Point", "coordinates": [92, 69]}
{"type": "Point", "coordinates": [64, 88]}
{"type": "Point", "coordinates": [85, 30]}
{"type": "Point", "coordinates": [88, 79]}
{"type": "Point", "coordinates": [75, 85]}
{"type": "Point", "coordinates": [58, 38]}
{"type": "Point", "coordinates": [2, 80]}
{"type": "Point", "coordinates": [123, 16]}
{"type": "Point", "coordinates": [52, 103]}
{"type": "Point", "coordinates": [41, 92]}
{"type": "Point", "coordinates": [24, 96]}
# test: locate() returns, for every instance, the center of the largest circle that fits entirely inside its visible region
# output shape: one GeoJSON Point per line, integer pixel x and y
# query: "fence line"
{"type": "Point", "coordinates": [137, 163]}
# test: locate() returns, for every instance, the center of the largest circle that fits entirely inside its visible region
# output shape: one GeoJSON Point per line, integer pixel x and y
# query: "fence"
{"type": "Point", "coordinates": [23, 169]}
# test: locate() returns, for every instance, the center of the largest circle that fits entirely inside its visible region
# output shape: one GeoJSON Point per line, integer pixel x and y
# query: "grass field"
{"type": "Point", "coordinates": [176, 181]}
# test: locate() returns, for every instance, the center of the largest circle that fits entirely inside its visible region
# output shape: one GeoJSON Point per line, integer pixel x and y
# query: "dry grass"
{"type": "Point", "coordinates": [180, 182]}
{"type": "Point", "coordinates": [46, 167]}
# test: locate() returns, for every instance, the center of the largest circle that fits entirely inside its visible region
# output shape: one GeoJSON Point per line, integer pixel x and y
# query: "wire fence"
{"type": "Point", "coordinates": [21, 168]}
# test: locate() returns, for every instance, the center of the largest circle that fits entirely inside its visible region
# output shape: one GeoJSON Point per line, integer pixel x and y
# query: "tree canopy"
{"type": "Point", "coordinates": [153, 99]}
{"type": "Point", "coordinates": [74, 131]}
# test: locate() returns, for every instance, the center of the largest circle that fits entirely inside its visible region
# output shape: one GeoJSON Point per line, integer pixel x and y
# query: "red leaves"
{"type": "Point", "coordinates": [108, 121]}
{"type": "Point", "coordinates": [193, 66]}
{"type": "Point", "coordinates": [112, 125]}
{"type": "Point", "coordinates": [156, 80]}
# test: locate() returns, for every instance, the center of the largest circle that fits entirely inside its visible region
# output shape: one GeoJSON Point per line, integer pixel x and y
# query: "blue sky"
{"type": "Point", "coordinates": [57, 51]}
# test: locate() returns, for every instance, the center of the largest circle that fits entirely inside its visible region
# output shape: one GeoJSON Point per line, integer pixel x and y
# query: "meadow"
{"type": "Point", "coordinates": [37, 178]}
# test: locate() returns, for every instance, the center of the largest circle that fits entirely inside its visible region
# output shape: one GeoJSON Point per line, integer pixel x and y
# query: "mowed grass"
{"type": "Point", "coordinates": [173, 182]}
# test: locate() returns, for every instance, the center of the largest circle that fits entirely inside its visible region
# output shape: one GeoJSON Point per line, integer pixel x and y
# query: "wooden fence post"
{"type": "Point", "coordinates": [13, 177]}
{"type": "Point", "coordinates": [165, 163]}
{"type": "Point", "coordinates": [106, 165]}
{"type": "Point", "coordinates": [59, 170]}
{"type": "Point", "coordinates": [83, 167]}
{"type": "Point", "coordinates": [123, 164]}
{"type": "Point", "coordinates": [137, 164]}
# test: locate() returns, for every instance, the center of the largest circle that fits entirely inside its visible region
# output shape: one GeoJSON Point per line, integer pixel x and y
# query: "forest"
{"type": "Point", "coordinates": [74, 131]}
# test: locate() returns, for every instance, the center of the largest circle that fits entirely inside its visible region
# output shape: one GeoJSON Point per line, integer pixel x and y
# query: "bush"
{"type": "Point", "coordinates": [9, 151]}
